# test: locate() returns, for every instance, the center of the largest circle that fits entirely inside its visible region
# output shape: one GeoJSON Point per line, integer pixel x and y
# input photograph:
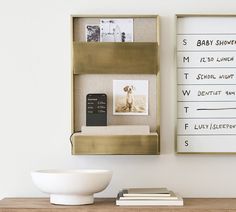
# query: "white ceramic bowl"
{"type": "Point", "coordinates": [71, 187]}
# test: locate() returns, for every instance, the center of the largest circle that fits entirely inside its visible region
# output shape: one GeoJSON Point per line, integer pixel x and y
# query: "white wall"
{"type": "Point", "coordinates": [35, 101]}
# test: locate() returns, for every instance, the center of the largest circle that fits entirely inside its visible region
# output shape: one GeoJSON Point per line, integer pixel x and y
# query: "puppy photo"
{"type": "Point", "coordinates": [130, 97]}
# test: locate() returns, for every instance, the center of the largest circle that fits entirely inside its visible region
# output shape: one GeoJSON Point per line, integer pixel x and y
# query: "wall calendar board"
{"type": "Point", "coordinates": [206, 84]}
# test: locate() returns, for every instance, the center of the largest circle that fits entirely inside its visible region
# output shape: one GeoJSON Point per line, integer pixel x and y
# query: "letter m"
{"type": "Point", "coordinates": [186, 59]}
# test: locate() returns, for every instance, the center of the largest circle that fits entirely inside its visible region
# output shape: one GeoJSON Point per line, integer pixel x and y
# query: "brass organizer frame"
{"type": "Point", "coordinates": [144, 60]}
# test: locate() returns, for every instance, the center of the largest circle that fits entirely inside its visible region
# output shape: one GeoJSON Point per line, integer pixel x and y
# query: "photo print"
{"type": "Point", "coordinates": [92, 33]}
{"type": "Point", "coordinates": [130, 97]}
{"type": "Point", "coordinates": [116, 30]}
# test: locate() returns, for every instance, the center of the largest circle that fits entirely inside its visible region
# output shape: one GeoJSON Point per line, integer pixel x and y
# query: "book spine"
{"type": "Point", "coordinates": [149, 203]}
{"type": "Point", "coordinates": [119, 195]}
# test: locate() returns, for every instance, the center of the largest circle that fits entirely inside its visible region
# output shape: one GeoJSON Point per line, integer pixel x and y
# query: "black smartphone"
{"type": "Point", "coordinates": [96, 109]}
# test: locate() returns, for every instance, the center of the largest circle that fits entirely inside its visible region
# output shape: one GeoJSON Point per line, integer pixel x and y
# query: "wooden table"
{"type": "Point", "coordinates": [105, 205]}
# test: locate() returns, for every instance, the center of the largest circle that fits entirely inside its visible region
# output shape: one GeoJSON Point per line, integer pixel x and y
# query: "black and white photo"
{"type": "Point", "coordinates": [92, 33]}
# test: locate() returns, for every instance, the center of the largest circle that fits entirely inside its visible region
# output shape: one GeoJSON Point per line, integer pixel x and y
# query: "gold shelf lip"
{"type": "Point", "coordinates": [114, 16]}
{"type": "Point", "coordinates": [115, 144]}
{"type": "Point", "coordinates": [114, 58]}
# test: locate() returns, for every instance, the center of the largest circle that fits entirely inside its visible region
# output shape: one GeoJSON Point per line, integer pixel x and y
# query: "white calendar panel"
{"type": "Point", "coordinates": [206, 42]}
{"type": "Point", "coordinates": [207, 144]}
{"type": "Point", "coordinates": [206, 59]}
{"type": "Point", "coordinates": [210, 110]}
{"type": "Point", "coordinates": [207, 76]}
{"type": "Point", "coordinates": [207, 127]}
{"type": "Point", "coordinates": [206, 93]}
{"type": "Point", "coordinates": [206, 84]}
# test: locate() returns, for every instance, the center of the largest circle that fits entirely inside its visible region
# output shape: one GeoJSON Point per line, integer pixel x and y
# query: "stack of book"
{"type": "Point", "coordinates": [148, 196]}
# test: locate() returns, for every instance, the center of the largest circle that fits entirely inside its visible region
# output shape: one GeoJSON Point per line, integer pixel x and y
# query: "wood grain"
{"type": "Point", "coordinates": [107, 205]}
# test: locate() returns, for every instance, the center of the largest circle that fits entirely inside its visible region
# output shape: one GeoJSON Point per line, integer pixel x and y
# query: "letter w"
{"type": "Point", "coordinates": [186, 92]}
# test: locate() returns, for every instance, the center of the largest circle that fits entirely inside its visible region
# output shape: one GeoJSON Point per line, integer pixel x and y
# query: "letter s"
{"type": "Point", "coordinates": [186, 143]}
{"type": "Point", "coordinates": [184, 42]}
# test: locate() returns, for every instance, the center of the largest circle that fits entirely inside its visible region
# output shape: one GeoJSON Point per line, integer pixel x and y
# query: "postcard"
{"type": "Point", "coordinates": [92, 33]}
{"type": "Point", "coordinates": [130, 97]}
{"type": "Point", "coordinates": [116, 30]}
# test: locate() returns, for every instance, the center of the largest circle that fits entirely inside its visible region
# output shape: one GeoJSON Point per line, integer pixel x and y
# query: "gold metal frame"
{"type": "Point", "coordinates": [116, 145]}
{"type": "Point", "coordinates": [194, 15]}
{"type": "Point", "coordinates": [135, 58]}
{"type": "Point", "coordinates": [124, 144]}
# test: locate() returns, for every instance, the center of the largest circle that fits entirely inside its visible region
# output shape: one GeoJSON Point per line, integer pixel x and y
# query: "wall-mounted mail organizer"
{"type": "Point", "coordinates": [206, 82]}
{"type": "Point", "coordinates": [107, 52]}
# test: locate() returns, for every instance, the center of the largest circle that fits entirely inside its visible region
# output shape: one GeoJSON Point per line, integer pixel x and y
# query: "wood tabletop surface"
{"type": "Point", "coordinates": [108, 204]}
